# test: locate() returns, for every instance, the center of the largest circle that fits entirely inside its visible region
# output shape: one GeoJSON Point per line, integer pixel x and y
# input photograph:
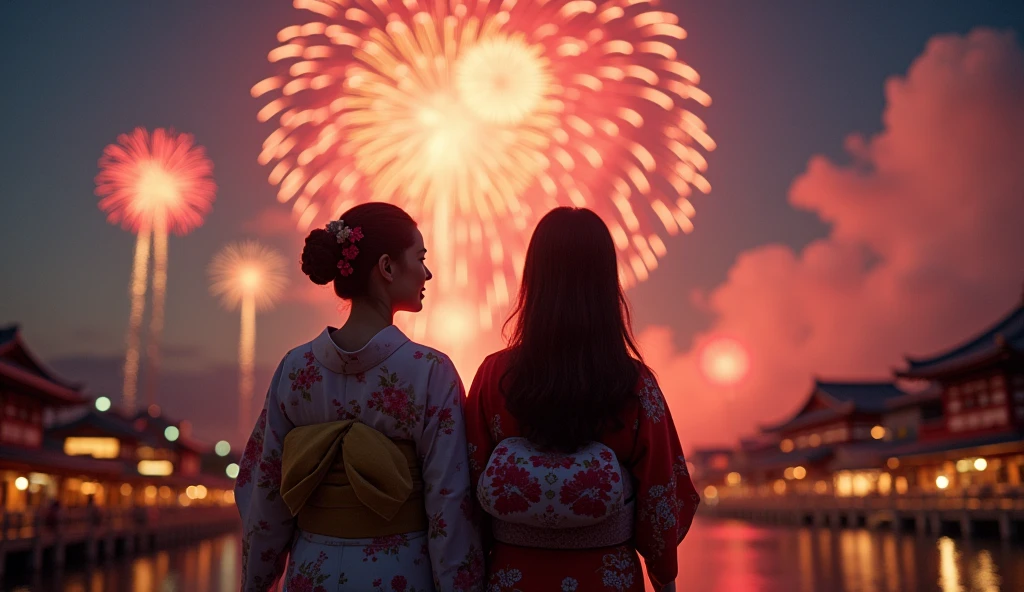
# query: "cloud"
{"type": "Point", "coordinates": [924, 248]}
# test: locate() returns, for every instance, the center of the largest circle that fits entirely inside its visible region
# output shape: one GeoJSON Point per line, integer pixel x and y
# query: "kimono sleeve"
{"type": "Point", "coordinates": [267, 524]}
{"type": "Point", "coordinates": [454, 537]}
{"type": "Point", "coordinates": [666, 499]}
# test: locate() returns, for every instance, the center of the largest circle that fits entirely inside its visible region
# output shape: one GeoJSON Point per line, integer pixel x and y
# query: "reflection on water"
{"type": "Point", "coordinates": [208, 566]}
{"type": "Point", "coordinates": [730, 556]}
{"type": "Point", "coordinates": [717, 556]}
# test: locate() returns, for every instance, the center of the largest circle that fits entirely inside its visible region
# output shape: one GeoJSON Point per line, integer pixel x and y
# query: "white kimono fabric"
{"type": "Point", "coordinates": [404, 390]}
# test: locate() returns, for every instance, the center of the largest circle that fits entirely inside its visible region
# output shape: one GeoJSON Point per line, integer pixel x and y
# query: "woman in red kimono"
{"type": "Point", "coordinates": [573, 452]}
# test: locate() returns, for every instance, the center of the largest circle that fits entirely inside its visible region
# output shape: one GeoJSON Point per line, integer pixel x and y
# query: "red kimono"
{"type": "Point", "coordinates": [647, 446]}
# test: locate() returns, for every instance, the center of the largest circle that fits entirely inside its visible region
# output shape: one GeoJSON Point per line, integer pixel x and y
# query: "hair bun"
{"type": "Point", "coordinates": [320, 257]}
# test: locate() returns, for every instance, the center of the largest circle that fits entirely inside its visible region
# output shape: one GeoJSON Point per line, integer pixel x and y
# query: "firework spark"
{"type": "Point", "coordinates": [249, 276]}
{"type": "Point", "coordinates": [477, 117]}
{"type": "Point", "coordinates": [152, 185]}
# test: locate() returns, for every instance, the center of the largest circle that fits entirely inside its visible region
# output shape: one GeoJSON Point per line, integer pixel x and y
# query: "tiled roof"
{"type": "Point", "coordinates": [1006, 333]}
{"type": "Point", "coordinates": [865, 396]}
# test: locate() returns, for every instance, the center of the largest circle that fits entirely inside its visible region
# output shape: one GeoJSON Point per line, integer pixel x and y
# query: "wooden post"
{"type": "Point", "coordinates": [966, 530]}
{"type": "Point", "coordinates": [1006, 526]}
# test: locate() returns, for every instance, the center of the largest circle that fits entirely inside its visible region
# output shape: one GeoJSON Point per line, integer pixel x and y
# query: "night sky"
{"type": "Point", "coordinates": [790, 80]}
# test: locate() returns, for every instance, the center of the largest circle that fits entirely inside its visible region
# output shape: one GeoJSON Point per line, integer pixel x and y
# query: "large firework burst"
{"type": "Point", "coordinates": [477, 117]}
{"type": "Point", "coordinates": [250, 276]}
{"type": "Point", "coordinates": [151, 185]}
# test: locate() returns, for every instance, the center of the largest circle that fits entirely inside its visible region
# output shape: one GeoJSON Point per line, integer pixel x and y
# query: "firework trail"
{"type": "Point", "coordinates": [152, 184]}
{"type": "Point", "coordinates": [478, 117]}
{"type": "Point", "coordinates": [249, 276]}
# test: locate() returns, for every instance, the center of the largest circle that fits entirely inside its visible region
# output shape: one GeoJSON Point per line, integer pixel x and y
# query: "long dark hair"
{"type": "Point", "coordinates": [574, 361]}
{"type": "Point", "coordinates": [386, 228]}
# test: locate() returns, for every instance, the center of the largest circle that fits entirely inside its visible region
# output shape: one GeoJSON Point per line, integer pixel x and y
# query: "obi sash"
{"type": "Point", "coordinates": [345, 479]}
{"type": "Point", "coordinates": [554, 500]}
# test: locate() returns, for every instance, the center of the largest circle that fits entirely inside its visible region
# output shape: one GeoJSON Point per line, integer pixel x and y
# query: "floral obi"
{"type": "Point", "coordinates": [554, 500]}
{"type": "Point", "coordinates": [345, 479]}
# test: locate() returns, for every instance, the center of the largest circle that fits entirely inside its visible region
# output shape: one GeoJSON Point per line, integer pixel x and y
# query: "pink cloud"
{"type": "Point", "coordinates": [924, 249]}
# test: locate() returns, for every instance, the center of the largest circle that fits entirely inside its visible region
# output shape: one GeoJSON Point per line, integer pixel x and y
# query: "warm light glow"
{"type": "Point", "coordinates": [184, 499]}
{"type": "Point", "coordinates": [884, 483]}
{"type": "Point", "coordinates": [222, 448]}
{"type": "Point", "coordinates": [229, 497]}
{"type": "Point", "coordinates": [788, 473]}
{"type": "Point", "coordinates": [820, 487]}
{"type": "Point", "coordinates": [231, 470]}
{"type": "Point", "coordinates": [155, 468]}
{"type": "Point", "coordinates": [250, 276]}
{"type": "Point", "coordinates": [21, 484]}
{"type": "Point", "coordinates": [942, 482]}
{"type": "Point", "coordinates": [779, 486]}
{"type": "Point", "coordinates": [478, 118]}
{"type": "Point", "coordinates": [165, 492]}
{"type": "Point", "coordinates": [799, 473]}
{"type": "Point", "coordinates": [980, 464]}
{"type": "Point", "coordinates": [710, 492]}
{"type": "Point", "coordinates": [963, 465]}
{"type": "Point", "coordinates": [171, 433]}
{"type": "Point", "coordinates": [201, 492]}
{"type": "Point", "coordinates": [94, 447]}
{"type": "Point", "coordinates": [902, 485]}
{"type": "Point", "coordinates": [89, 488]}
{"type": "Point", "coordinates": [102, 403]}
{"type": "Point", "coordinates": [814, 440]}
{"type": "Point", "coordinates": [248, 270]}
{"type": "Point", "coordinates": [733, 478]}
{"type": "Point", "coordinates": [786, 445]}
{"type": "Point", "coordinates": [152, 184]}
{"type": "Point", "coordinates": [150, 491]}
{"type": "Point", "coordinates": [893, 463]}
{"type": "Point", "coordinates": [878, 432]}
{"type": "Point", "coordinates": [190, 492]}
{"type": "Point", "coordinates": [126, 489]}
{"type": "Point", "coordinates": [724, 361]}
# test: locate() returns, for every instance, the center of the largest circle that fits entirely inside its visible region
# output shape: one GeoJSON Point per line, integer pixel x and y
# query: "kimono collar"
{"type": "Point", "coordinates": [378, 349]}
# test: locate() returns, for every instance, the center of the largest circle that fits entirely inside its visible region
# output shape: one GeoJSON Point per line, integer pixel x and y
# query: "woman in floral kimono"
{"type": "Point", "coordinates": [356, 476]}
{"type": "Point", "coordinates": [572, 448]}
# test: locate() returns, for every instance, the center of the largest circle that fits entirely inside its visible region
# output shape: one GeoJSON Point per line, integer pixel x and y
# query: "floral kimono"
{"type": "Point", "coordinates": [405, 391]}
{"type": "Point", "coordinates": [650, 453]}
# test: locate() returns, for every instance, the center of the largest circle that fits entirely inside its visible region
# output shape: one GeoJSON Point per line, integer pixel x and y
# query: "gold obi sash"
{"type": "Point", "coordinates": [345, 479]}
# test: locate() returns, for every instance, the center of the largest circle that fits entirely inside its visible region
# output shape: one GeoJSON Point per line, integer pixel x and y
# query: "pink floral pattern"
{"type": "Point", "coordinates": [253, 449]}
{"type": "Point", "coordinates": [396, 401]}
{"type": "Point", "coordinates": [445, 420]}
{"type": "Point", "coordinates": [307, 577]}
{"type": "Point", "coordinates": [510, 488]}
{"type": "Point", "coordinates": [303, 379]}
{"type": "Point", "coordinates": [547, 489]}
{"type": "Point", "coordinates": [406, 399]}
{"type": "Point", "coordinates": [386, 546]}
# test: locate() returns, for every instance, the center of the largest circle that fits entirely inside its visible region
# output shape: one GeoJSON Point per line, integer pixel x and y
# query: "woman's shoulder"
{"type": "Point", "coordinates": [430, 358]}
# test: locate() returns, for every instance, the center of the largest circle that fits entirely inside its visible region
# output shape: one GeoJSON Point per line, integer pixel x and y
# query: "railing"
{"type": "Point", "coordinates": [1012, 501]}
{"type": "Point", "coordinates": [83, 522]}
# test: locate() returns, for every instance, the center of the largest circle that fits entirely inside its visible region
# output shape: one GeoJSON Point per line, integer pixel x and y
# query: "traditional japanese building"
{"type": "Point", "coordinates": [982, 379]}
{"type": "Point", "coordinates": [30, 395]}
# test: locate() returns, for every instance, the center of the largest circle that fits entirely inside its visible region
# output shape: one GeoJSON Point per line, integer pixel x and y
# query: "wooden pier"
{"type": "Point", "coordinates": [923, 513]}
{"type": "Point", "coordinates": [105, 534]}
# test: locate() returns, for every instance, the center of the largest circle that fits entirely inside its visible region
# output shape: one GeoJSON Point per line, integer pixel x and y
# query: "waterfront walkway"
{"type": "Point", "coordinates": [925, 513]}
{"type": "Point", "coordinates": [26, 536]}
